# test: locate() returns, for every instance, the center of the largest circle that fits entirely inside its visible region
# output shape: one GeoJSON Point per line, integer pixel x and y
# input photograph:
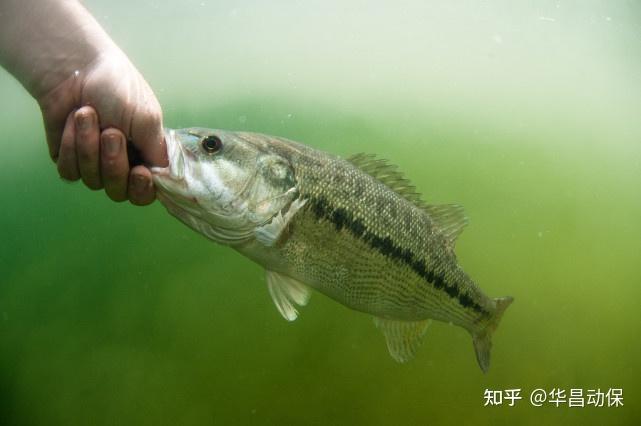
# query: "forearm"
{"type": "Point", "coordinates": [43, 42]}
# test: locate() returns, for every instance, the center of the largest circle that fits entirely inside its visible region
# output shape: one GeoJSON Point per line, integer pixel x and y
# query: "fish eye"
{"type": "Point", "coordinates": [211, 144]}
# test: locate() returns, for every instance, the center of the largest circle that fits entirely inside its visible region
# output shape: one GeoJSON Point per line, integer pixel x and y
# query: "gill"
{"type": "Point", "coordinates": [261, 206]}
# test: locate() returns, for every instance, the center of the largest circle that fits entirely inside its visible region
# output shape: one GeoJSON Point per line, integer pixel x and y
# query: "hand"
{"type": "Point", "coordinates": [107, 94]}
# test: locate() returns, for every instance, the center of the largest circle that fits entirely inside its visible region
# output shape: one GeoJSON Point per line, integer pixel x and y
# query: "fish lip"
{"type": "Point", "coordinates": [175, 170]}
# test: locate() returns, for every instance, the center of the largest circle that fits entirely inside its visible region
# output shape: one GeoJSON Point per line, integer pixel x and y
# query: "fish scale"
{"type": "Point", "coordinates": [355, 230]}
{"type": "Point", "coordinates": [383, 214]}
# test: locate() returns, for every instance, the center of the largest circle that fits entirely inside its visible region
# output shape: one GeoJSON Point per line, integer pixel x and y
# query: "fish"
{"type": "Point", "coordinates": [353, 229]}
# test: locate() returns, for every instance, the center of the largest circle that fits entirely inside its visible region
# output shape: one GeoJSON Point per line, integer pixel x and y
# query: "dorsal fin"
{"type": "Point", "coordinates": [450, 218]}
{"type": "Point", "coordinates": [389, 175]}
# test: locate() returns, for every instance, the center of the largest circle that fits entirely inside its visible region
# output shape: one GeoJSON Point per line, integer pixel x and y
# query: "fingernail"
{"type": "Point", "coordinates": [111, 145]}
{"type": "Point", "coordinates": [84, 121]}
{"type": "Point", "coordinates": [139, 183]}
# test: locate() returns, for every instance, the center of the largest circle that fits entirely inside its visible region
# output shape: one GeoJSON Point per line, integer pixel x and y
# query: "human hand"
{"type": "Point", "coordinates": [108, 94]}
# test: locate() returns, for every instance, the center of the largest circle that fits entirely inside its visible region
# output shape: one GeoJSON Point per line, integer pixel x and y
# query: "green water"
{"type": "Point", "coordinates": [112, 314]}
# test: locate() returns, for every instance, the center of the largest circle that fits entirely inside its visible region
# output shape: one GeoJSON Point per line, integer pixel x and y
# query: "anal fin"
{"type": "Point", "coordinates": [403, 337]}
{"type": "Point", "coordinates": [287, 292]}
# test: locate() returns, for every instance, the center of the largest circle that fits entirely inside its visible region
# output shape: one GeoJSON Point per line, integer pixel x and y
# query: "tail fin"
{"type": "Point", "coordinates": [483, 339]}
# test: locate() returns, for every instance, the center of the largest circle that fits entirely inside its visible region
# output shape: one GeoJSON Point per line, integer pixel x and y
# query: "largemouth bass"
{"type": "Point", "coordinates": [353, 229]}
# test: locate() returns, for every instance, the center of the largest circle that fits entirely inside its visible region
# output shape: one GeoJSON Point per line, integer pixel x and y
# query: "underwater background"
{"type": "Point", "coordinates": [526, 114]}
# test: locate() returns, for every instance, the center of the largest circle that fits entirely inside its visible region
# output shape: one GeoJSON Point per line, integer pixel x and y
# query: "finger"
{"type": "Point", "coordinates": [67, 161]}
{"type": "Point", "coordinates": [53, 132]}
{"type": "Point", "coordinates": [54, 116]}
{"type": "Point", "coordinates": [147, 134]}
{"type": "Point", "coordinates": [88, 146]}
{"type": "Point", "coordinates": [114, 165]}
{"type": "Point", "coordinates": [141, 187]}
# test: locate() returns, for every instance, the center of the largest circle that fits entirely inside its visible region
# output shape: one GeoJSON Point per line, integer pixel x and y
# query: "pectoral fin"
{"type": "Point", "coordinates": [403, 337]}
{"type": "Point", "coordinates": [286, 292]}
{"type": "Point", "coordinates": [271, 232]}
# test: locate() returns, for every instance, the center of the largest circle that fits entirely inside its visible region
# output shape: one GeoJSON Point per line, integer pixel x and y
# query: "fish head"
{"type": "Point", "coordinates": [224, 184]}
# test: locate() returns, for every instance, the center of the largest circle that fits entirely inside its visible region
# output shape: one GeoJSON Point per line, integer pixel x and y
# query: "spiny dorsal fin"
{"type": "Point", "coordinates": [403, 337]}
{"type": "Point", "coordinates": [450, 218]}
{"type": "Point", "coordinates": [389, 175]}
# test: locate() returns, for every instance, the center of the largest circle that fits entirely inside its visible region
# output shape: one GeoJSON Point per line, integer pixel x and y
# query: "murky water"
{"type": "Point", "coordinates": [527, 116]}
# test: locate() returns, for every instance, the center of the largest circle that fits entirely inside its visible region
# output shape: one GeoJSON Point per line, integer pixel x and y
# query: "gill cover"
{"type": "Point", "coordinates": [223, 185]}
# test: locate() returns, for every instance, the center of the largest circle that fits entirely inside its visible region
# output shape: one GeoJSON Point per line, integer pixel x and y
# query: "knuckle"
{"type": "Point", "coordinates": [87, 152]}
{"type": "Point", "coordinates": [86, 122]}
{"type": "Point", "coordinates": [111, 132]}
{"type": "Point", "coordinates": [149, 120]}
{"type": "Point", "coordinates": [112, 170]}
{"type": "Point", "coordinates": [155, 119]}
{"type": "Point", "coordinates": [85, 156]}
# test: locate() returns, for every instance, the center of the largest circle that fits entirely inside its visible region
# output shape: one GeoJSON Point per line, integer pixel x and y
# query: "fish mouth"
{"type": "Point", "coordinates": [225, 225]}
{"type": "Point", "coordinates": [170, 181]}
{"type": "Point", "coordinates": [175, 170]}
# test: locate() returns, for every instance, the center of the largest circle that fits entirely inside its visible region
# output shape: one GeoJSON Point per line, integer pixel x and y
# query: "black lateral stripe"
{"type": "Point", "coordinates": [341, 218]}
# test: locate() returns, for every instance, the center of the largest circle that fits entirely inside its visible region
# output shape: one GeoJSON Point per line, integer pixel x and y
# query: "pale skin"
{"type": "Point", "coordinates": [91, 96]}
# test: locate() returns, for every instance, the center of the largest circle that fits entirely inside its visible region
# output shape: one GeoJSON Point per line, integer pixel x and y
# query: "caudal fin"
{"type": "Point", "coordinates": [483, 339]}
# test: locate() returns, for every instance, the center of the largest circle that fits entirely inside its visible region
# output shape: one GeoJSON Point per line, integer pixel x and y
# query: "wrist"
{"type": "Point", "coordinates": [44, 43]}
